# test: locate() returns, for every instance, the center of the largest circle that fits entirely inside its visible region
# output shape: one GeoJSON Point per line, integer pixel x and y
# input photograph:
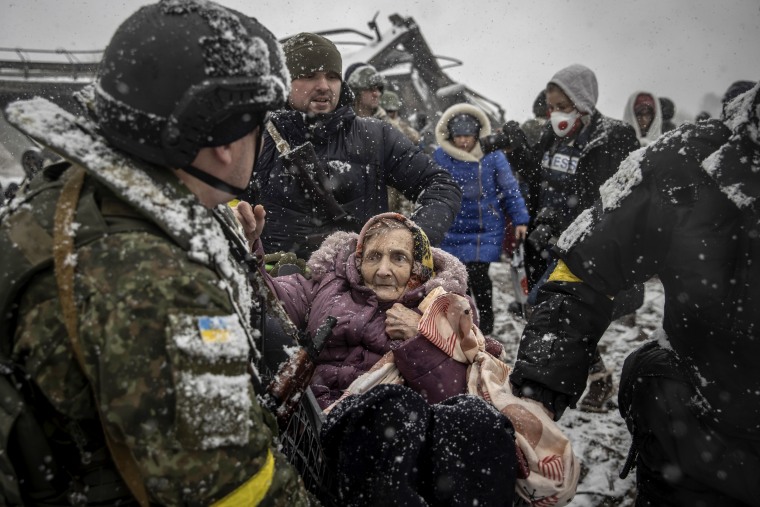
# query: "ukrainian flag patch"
{"type": "Point", "coordinates": [217, 329]}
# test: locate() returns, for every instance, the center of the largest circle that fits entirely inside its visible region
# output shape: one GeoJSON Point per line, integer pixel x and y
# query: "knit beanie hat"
{"type": "Point", "coordinates": [464, 125]}
{"type": "Point", "coordinates": [308, 52]}
{"type": "Point", "coordinates": [579, 84]}
{"type": "Point", "coordinates": [422, 269]}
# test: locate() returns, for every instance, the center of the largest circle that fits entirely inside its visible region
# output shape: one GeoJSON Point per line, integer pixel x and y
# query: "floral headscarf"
{"type": "Point", "coordinates": [422, 268]}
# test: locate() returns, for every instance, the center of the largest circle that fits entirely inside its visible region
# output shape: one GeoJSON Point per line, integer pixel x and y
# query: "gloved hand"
{"type": "Point", "coordinates": [276, 260]}
{"type": "Point", "coordinates": [510, 137]}
{"type": "Point", "coordinates": [514, 134]}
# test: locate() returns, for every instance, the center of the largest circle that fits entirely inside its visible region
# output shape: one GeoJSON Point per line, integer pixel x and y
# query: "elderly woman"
{"type": "Point", "coordinates": [372, 283]}
{"type": "Point", "coordinates": [393, 445]}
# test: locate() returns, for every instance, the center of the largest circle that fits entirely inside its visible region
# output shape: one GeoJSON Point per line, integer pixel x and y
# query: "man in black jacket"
{"type": "Point", "coordinates": [344, 181]}
{"type": "Point", "coordinates": [686, 210]}
{"type": "Point", "coordinates": [564, 172]}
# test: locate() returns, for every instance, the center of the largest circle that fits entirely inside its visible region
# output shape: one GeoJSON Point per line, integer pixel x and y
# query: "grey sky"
{"type": "Point", "coordinates": [682, 49]}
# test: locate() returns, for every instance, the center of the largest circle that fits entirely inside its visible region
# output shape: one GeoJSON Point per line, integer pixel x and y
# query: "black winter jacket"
{"type": "Point", "coordinates": [686, 212]}
{"type": "Point", "coordinates": [600, 147]}
{"type": "Point", "coordinates": [362, 157]}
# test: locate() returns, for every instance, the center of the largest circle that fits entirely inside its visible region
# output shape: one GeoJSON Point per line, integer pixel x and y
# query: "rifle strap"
{"type": "Point", "coordinates": [282, 145]}
{"type": "Point", "coordinates": [65, 263]}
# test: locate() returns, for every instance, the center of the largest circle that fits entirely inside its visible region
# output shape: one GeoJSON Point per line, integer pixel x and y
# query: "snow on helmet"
{"type": "Point", "coordinates": [365, 77]}
{"type": "Point", "coordinates": [180, 75]}
{"type": "Point", "coordinates": [390, 101]}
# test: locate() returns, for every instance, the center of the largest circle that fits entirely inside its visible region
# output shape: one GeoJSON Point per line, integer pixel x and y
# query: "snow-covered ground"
{"type": "Point", "coordinates": [601, 441]}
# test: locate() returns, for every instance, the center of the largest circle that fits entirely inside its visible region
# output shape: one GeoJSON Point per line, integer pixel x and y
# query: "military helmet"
{"type": "Point", "coordinates": [390, 101]}
{"type": "Point", "coordinates": [365, 77]}
{"type": "Point", "coordinates": [180, 75]}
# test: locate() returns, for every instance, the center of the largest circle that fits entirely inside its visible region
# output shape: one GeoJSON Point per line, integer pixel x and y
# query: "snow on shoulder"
{"type": "Point", "coordinates": [174, 208]}
{"type": "Point", "coordinates": [612, 192]}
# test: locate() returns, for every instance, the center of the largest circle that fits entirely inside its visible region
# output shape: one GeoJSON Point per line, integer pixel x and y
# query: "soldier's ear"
{"type": "Point", "coordinates": [223, 153]}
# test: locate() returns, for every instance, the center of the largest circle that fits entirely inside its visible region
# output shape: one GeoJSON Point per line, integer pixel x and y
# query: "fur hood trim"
{"type": "Point", "coordinates": [442, 132]}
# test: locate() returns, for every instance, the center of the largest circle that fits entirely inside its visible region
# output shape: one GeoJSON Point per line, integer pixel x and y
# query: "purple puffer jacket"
{"type": "Point", "coordinates": [358, 340]}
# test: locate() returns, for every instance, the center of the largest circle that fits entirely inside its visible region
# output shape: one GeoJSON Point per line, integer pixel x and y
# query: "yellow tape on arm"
{"type": "Point", "coordinates": [563, 274]}
{"type": "Point", "coordinates": [253, 491]}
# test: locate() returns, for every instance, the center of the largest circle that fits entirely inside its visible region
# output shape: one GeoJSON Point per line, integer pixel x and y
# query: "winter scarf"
{"type": "Point", "coordinates": [553, 470]}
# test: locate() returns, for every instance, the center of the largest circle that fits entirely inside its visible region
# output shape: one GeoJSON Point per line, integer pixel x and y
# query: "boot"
{"type": "Point", "coordinates": [600, 390]}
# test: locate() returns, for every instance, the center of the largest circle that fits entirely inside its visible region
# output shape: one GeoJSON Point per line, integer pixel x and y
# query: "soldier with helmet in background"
{"type": "Point", "coordinates": [126, 332]}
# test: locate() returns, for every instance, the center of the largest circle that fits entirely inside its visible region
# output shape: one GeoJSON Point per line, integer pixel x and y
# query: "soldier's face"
{"type": "Point", "coordinates": [315, 93]}
{"type": "Point", "coordinates": [387, 263]}
{"type": "Point", "coordinates": [370, 99]}
{"type": "Point", "coordinates": [243, 155]}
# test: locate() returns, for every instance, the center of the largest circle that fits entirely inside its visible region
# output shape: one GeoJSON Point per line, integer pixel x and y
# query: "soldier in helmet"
{"type": "Point", "coordinates": [391, 103]}
{"type": "Point", "coordinates": [126, 328]}
{"type": "Point", "coordinates": [322, 168]}
{"type": "Point", "coordinates": [368, 86]}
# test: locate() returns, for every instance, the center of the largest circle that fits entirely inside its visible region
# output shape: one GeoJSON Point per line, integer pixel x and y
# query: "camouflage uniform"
{"type": "Point", "coordinates": [163, 319]}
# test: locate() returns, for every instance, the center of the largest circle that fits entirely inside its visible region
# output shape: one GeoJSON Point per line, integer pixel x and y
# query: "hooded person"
{"type": "Point", "coordinates": [490, 195]}
{"type": "Point", "coordinates": [643, 113]}
{"type": "Point", "coordinates": [564, 172]}
{"type": "Point", "coordinates": [339, 179]}
{"type": "Point", "coordinates": [686, 210]}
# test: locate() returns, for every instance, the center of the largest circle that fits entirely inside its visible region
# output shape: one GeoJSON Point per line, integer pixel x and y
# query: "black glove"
{"type": "Point", "coordinates": [514, 134]}
{"type": "Point", "coordinates": [511, 136]}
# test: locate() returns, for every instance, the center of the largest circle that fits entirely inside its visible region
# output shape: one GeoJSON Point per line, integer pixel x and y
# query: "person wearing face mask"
{"type": "Point", "coordinates": [322, 168]}
{"type": "Point", "coordinates": [564, 172]}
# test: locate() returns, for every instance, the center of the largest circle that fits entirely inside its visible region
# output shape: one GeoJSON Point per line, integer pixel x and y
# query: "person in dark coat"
{"type": "Point", "coordinates": [684, 209]}
{"type": "Point", "coordinates": [564, 172]}
{"type": "Point", "coordinates": [356, 159]}
{"type": "Point", "coordinates": [668, 108]}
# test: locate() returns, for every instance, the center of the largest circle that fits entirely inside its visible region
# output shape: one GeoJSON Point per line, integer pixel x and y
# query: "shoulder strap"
{"type": "Point", "coordinates": [282, 145]}
{"type": "Point", "coordinates": [63, 249]}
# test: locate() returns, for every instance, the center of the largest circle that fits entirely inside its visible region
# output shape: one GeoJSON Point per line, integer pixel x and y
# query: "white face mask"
{"type": "Point", "coordinates": [563, 123]}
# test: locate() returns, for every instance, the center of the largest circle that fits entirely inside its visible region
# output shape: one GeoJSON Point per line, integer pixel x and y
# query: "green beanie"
{"type": "Point", "coordinates": [306, 53]}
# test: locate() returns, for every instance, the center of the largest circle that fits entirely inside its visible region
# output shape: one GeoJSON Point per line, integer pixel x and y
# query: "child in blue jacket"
{"type": "Point", "coordinates": [490, 194]}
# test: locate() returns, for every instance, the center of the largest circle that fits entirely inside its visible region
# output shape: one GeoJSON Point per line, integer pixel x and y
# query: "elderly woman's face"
{"type": "Point", "coordinates": [387, 263]}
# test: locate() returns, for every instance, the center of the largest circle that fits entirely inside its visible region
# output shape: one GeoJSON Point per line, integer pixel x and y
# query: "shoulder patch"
{"type": "Point", "coordinates": [210, 337]}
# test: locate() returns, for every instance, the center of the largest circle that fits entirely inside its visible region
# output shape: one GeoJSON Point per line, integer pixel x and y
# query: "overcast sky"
{"type": "Point", "coordinates": [682, 49]}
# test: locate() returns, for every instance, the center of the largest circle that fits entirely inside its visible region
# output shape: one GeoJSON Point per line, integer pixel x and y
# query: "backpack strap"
{"type": "Point", "coordinates": [63, 250]}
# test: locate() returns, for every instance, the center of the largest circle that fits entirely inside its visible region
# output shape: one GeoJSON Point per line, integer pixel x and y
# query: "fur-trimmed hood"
{"type": "Point", "coordinates": [443, 138]}
{"type": "Point", "coordinates": [450, 273]}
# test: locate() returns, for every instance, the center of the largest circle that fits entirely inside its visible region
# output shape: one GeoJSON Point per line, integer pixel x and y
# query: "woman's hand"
{"type": "Point", "coordinates": [521, 232]}
{"type": "Point", "coordinates": [401, 322]}
{"type": "Point", "coordinates": [252, 220]}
